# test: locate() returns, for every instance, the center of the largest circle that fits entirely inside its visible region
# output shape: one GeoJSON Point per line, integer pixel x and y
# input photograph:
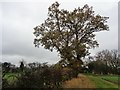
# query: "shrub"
{"type": "Point", "coordinates": [41, 78]}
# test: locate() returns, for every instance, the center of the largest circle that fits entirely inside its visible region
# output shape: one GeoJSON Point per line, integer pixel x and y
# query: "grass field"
{"type": "Point", "coordinates": [104, 81]}
{"type": "Point", "coordinates": [11, 77]}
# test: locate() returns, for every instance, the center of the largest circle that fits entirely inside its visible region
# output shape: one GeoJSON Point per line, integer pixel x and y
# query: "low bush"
{"type": "Point", "coordinates": [41, 78]}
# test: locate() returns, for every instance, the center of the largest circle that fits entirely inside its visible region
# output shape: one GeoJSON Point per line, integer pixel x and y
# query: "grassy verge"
{"type": "Point", "coordinates": [101, 83]}
{"type": "Point", "coordinates": [113, 79]}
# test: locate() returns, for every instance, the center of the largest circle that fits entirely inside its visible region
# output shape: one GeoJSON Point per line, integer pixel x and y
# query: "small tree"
{"type": "Point", "coordinates": [22, 65]}
{"type": "Point", "coordinates": [71, 33]}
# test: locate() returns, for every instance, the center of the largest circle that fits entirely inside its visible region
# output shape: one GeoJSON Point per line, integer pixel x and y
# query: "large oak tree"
{"type": "Point", "coordinates": [71, 33]}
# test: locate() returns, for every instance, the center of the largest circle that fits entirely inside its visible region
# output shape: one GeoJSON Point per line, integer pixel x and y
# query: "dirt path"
{"type": "Point", "coordinates": [81, 82]}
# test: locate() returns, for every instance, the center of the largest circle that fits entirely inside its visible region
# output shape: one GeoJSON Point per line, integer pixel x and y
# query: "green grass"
{"type": "Point", "coordinates": [11, 77]}
{"type": "Point", "coordinates": [8, 75]}
{"type": "Point", "coordinates": [101, 83]}
{"type": "Point", "coordinates": [113, 79]}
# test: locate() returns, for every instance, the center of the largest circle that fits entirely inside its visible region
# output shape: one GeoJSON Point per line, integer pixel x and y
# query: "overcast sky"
{"type": "Point", "coordinates": [19, 19]}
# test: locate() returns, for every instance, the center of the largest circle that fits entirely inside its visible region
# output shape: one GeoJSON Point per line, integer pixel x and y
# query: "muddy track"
{"type": "Point", "coordinates": [81, 82]}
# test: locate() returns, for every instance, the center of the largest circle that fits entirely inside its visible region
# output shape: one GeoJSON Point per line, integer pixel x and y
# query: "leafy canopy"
{"type": "Point", "coordinates": [71, 33]}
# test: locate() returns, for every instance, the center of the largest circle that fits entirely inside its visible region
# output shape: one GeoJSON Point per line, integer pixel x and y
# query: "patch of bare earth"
{"type": "Point", "coordinates": [81, 82]}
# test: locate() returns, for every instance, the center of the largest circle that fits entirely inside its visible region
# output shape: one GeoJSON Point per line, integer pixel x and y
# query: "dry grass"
{"type": "Point", "coordinates": [81, 82]}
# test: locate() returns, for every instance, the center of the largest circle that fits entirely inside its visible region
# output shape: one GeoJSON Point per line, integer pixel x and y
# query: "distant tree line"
{"type": "Point", "coordinates": [105, 62]}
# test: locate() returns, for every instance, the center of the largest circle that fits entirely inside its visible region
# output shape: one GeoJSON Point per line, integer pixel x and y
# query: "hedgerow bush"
{"type": "Point", "coordinates": [37, 75]}
{"type": "Point", "coordinates": [41, 78]}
